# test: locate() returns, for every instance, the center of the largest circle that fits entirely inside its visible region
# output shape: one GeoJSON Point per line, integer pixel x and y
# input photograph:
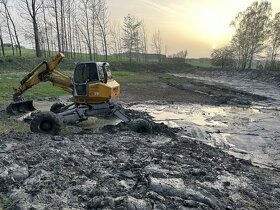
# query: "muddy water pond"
{"type": "Point", "coordinates": [247, 132]}
{"type": "Point", "coordinates": [250, 133]}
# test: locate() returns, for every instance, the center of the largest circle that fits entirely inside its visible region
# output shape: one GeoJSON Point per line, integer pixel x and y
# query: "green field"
{"type": "Point", "coordinates": [14, 68]}
{"type": "Point", "coordinates": [10, 80]}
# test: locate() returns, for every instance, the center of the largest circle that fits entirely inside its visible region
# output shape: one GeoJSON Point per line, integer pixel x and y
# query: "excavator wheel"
{"type": "Point", "coordinates": [56, 107]}
{"type": "Point", "coordinates": [46, 122]}
{"type": "Point", "coordinates": [140, 126]}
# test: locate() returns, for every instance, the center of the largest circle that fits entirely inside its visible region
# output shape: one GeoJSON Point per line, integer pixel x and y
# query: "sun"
{"type": "Point", "coordinates": [214, 46]}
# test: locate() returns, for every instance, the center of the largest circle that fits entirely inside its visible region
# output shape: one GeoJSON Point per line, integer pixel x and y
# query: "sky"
{"type": "Point", "coordinates": [196, 25]}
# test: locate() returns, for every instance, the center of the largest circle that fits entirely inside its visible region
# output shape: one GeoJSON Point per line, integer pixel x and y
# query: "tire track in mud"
{"type": "Point", "coordinates": [126, 170]}
{"type": "Point", "coordinates": [218, 92]}
{"type": "Point", "coordinates": [115, 168]}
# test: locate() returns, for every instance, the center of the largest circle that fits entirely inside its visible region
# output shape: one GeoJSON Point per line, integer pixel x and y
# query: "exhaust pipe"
{"type": "Point", "coordinates": [16, 108]}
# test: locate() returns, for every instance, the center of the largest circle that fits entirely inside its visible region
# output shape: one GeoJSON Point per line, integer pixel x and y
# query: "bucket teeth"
{"type": "Point", "coordinates": [16, 108]}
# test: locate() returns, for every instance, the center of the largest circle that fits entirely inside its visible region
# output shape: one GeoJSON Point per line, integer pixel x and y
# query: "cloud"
{"type": "Point", "coordinates": [159, 6]}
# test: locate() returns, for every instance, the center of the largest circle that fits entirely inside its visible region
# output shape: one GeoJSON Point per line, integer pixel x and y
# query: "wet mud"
{"type": "Point", "coordinates": [247, 132]}
{"type": "Point", "coordinates": [127, 170]}
{"type": "Point", "coordinates": [201, 154]}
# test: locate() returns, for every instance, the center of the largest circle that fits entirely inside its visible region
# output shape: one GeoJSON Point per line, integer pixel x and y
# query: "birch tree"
{"type": "Point", "coordinates": [274, 41]}
{"type": "Point", "coordinates": [251, 32]}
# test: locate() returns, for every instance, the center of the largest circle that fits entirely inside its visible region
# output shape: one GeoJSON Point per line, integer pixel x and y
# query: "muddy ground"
{"type": "Point", "coordinates": [112, 167]}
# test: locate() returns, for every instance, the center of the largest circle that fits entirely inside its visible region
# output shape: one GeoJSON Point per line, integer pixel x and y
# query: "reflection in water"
{"type": "Point", "coordinates": [246, 132]}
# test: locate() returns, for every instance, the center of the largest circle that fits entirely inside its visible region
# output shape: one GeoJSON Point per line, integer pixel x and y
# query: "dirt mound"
{"type": "Point", "coordinates": [127, 170]}
{"type": "Point", "coordinates": [157, 129]}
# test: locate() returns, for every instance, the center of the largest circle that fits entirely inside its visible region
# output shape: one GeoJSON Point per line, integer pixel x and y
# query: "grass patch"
{"type": "Point", "coordinates": [201, 63]}
{"type": "Point", "coordinates": [10, 80]}
{"type": "Point", "coordinates": [12, 125]}
{"type": "Point", "coordinates": [135, 79]}
{"type": "Point", "coordinates": [118, 74]}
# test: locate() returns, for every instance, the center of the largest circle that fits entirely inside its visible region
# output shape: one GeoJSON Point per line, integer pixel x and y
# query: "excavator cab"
{"type": "Point", "coordinates": [93, 83]}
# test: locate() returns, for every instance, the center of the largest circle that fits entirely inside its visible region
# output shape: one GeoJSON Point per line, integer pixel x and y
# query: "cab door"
{"type": "Point", "coordinates": [85, 74]}
{"type": "Point", "coordinates": [80, 80]}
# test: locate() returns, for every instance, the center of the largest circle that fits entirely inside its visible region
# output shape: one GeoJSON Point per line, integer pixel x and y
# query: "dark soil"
{"type": "Point", "coordinates": [127, 170]}
{"type": "Point", "coordinates": [189, 90]}
{"type": "Point", "coordinates": [115, 168]}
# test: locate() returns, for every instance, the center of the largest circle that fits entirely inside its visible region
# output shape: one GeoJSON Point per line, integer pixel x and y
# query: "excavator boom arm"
{"type": "Point", "coordinates": [45, 71]}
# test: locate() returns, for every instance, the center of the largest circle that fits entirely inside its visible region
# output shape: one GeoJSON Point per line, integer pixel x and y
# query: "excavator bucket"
{"type": "Point", "coordinates": [16, 108]}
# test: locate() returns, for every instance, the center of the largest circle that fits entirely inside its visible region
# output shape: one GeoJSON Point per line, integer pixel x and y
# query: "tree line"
{"type": "Point", "coordinates": [256, 40]}
{"type": "Point", "coordinates": [75, 27]}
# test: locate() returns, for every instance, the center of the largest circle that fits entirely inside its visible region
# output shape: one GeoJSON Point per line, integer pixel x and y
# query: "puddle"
{"type": "Point", "coordinates": [250, 133]}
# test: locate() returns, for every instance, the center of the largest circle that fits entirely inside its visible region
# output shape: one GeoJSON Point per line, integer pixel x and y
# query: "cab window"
{"type": "Point", "coordinates": [101, 74]}
{"type": "Point", "coordinates": [79, 75]}
{"type": "Point", "coordinates": [86, 73]}
{"type": "Point", "coordinates": [109, 72]}
{"type": "Point", "coordinates": [91, 70]}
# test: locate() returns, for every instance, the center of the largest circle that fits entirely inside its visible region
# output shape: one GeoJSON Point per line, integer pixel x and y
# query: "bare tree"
{"type": "Point", "coordinates": [62, 24]}
{"type": "Point", "coordinates": [144, 40]}
{"type": "Point", "coordinates": [130, 39]}
{"type": "Point", "coordinates": [57, 24]}
{"type": "Point", "coordinates": [223, 57]}
{"type": "Point", "coordinates": [5, 4]}
{"type": "Point", "coordinates": [69, 26]}
{"type": "Point", "coordinates": [274, 41]}
{"type": "Point", "coordinates": [251, 32]}
{"type": "Point", "coordinates": [1, 42]}
{"type": "Point", "coordinates": [157, 44]}
{"type": "Point", "coordinates": [46, 29]}
{"type": "Point", "coordinates": [94, 10]}
{"type": "Point", "coordinates": [86, 30]}
{"type": "Point", "coordinates": [6, 17]}
{"type": "Point", "coordinates": [103, 23]}
{"type": "Point", "coordinates": [32, 7]}
{"type": "Point", "coordinates": [116, 39]}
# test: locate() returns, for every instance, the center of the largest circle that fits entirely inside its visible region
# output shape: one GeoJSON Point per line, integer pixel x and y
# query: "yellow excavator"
{"type": "Point", "coordinates": [92, 88]}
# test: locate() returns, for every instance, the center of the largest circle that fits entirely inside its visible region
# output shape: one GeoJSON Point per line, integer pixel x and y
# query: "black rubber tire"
{"type": "Point", "coordinates": [46, 122]}
{"type": "Point", "coordinates": [140, 126]}
{"type": "Point", "coordinates": [56, 107]}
